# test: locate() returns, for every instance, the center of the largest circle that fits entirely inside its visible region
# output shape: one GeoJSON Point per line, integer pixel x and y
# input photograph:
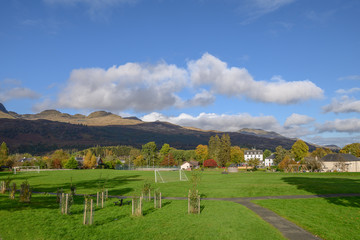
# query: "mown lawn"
{"type": "Point", "coordinates": [329, 218]}
{"type": "Point", "coordinates": [213, 183]}
{"type": "Point", "coordinates": [218, 220]}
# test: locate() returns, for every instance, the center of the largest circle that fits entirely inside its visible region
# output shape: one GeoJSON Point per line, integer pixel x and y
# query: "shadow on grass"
{"type": "Point", "coordinates": [95, 185]}
{"type": "Point", "coordinates": [165, 204]}
{"type": "Point", "coordinates": [319, 186]}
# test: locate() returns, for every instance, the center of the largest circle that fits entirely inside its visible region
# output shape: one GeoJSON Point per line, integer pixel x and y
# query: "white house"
{"type": "Point", "coordinates": [341, 162]}
{"type": "Point", "coordinates": [186, 166]}
{"type": "Point", "coordinates": [269, 161]}
{"type": "Point", "coordinates": [253, 154]}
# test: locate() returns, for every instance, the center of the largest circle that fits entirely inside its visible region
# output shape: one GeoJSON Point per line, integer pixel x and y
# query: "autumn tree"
{"type": "Point", "coordinates": [59, 158]}
{"type": "Point", "coordinates": [201, 152]}
{"type": "Point", "coordinates": [89, 160]}
{"type": "Point", "coordinates": [210, 163]}
{"type": "Point", "coordinates": [254, 162]}
{"type": "Point", "coordinates": [168, 160]}
{"type": "Point", "coordinates": [280, 154]}
{"type": "Point", "coordinates": [286, 163]}
{"type": "Point", "coordinates": [139, 161]}
{"type": "Point", "coordinates": [236, 155]}
{"type": "Point", "coordinates": [320, 153]}
{"type": "Point", "coordinates": [300, 149]}
{"type": "Point", "coordinates": [353, 149]}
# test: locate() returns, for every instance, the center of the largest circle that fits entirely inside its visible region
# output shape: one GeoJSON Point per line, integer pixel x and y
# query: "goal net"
{"type": "Point", "coordinates": [23, 169]}
{"type": "Point", "coordinates": [170, 176]}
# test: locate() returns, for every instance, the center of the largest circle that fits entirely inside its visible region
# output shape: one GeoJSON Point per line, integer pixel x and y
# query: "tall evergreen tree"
{"type": "Point", "coordinates": [4, 151]}
{"type": "Point", "coordinates": [214, 147]}
{"type": "Point", "coordinates": [225, 150]}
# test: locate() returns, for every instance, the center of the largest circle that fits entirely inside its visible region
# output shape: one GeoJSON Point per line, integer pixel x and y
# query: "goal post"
{"type": "Point", "coordinates": [26, 169]}
{"type": "Point", "coordinates": [163, 176]}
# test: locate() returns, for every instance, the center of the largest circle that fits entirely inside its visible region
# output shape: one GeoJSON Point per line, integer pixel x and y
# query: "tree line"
{"type": "Point", "coordinates": [219, 152]}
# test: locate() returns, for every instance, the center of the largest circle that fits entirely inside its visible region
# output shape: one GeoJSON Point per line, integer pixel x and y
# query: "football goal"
{"type": "Point", "coordinates": [23, 169]}
{"type": "Point", "coordinates": [170, 176]}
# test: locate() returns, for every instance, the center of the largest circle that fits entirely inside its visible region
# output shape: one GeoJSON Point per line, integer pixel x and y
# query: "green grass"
{"type": "Point", "coordinates": [329, 218]}
{"type": "Point", "coordinates": [218, 220]}
{"type": "Point", "coordinates": [213, 183]}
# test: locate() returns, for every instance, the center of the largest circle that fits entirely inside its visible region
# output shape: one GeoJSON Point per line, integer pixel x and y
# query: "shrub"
{"type": "Point", "coordinates": [210, 163]}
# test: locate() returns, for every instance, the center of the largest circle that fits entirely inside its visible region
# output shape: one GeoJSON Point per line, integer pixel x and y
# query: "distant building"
{"type": "Point", "coordinates": [269, 161]}
{"type": "Point", "coordinates": [253, 154]}
{"type": "Point", "coordinates": [341, 162]}
{"type": "Point", "coordinates": [186, 166]}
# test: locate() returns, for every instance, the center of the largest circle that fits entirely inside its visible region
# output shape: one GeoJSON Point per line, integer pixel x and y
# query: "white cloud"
{"type": "Point", "coordinates": [130, 86]}
{"type": "Point", "coordinates": [13, 89]}
{"type": "Point", "coordinates": [146, 88]}
{"type": "Point", "coordinates": [254, 9]}
{"type": "Point", "coordinates": [349, 91]}
{"type": "Point", "coordinates": [297, 119]}
{"type": "Point", "coordinates": [202, 98]}
{"type": "Point", "coordinates": [350, 77]}
{"type": "Point", "coordinates": [340, 125]}
{"type": "Point", "coordinates": [229, 123]}
{"type": "Point", "coordinates": [345, 105]}
{"type": "Point", "coordinates": [210, 71]}
{"type": "Point", "coordinates": [340, 141]}
{"type": "Point", "coordinates": [212, 121]}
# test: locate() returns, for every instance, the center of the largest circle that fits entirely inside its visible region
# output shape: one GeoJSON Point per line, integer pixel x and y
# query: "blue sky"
{"type": "Point", "coordinates": [288, 66]}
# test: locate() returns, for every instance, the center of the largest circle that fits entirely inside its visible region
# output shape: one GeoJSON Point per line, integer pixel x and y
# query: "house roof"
{"type": "Point", "coordinates": [253, 152]}
{"type": "Point", "coordinates": [272, 156]}
{"type": "Point", "coordinates": [336, 157]}
{"type": "Point", "coordinates": [194, 163]}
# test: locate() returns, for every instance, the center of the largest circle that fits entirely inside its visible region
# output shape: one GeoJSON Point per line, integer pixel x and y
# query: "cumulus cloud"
{"type": "Point", "coordinates": [344, 105]}
{"type": "Point", "coordinates": [212, 121]}
{"type": "Point", "coordinates": [340, 125]}
{"type": "Point", "coordinates": [202, 98]}
{"type": "Point", "coordinates": [211, 71]}
{"type": "Point", "coordinates": [130, 86]}
{"type": "Point", "coordinates": [146, 88]}
{"type": "Point", "coordinates": [297, 119]}
{"type": "Point", "coordinates": [254, 9]}
{"type": "Point", "coordinates": [229, 123]}
{"type": "Point", "coordinates": [12, 89]}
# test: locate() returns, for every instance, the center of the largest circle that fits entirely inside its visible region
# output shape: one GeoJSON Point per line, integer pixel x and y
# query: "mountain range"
{"type": "Point", "coordinates": [51, 129]}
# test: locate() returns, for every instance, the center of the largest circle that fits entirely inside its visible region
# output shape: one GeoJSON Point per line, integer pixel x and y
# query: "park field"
{"type": "Point", "coordinates": [41, 219]}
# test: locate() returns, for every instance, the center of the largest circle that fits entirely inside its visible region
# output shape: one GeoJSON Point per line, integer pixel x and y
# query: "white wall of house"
{"type": "Point", "coordinates": [269, 162]}
{"type": "Point", "coordinates": [186, 165]}
{"type": "Point", "coordinates": [253, 154]}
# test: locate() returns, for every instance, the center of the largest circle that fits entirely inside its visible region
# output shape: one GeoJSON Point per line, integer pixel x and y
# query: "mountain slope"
{"type": "Point", "coordinates": [38, 136]}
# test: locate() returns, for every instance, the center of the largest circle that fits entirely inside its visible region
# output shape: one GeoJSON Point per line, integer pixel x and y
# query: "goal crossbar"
{"type": "Point", "coordinates": [26, 169]}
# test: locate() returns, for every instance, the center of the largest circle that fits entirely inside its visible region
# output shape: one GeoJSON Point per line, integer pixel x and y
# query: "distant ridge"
{"type": "Point", "coordinates": [260, 132]}
{"type": "Point", "coordinates": [50, 130]}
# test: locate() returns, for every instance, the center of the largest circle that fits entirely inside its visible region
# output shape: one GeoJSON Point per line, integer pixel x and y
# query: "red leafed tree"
{"type": "Point", "coordinates": [210, 163]}
{"type": "Point", "coordinates": [168, 160]}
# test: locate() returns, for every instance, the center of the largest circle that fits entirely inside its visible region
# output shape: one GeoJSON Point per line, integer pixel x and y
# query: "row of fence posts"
{"type": "Point", "coordinates": [137, 202]}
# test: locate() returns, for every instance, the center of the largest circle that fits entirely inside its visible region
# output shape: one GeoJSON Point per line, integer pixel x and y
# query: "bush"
{"type": "Point", "coordinates": [210, 163]}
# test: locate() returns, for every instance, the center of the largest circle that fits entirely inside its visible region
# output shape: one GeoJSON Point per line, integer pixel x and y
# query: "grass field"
{"type": "Point", "coordinates": [218, 220]}
{"type": "Point", "coordinates": [330, 218]}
